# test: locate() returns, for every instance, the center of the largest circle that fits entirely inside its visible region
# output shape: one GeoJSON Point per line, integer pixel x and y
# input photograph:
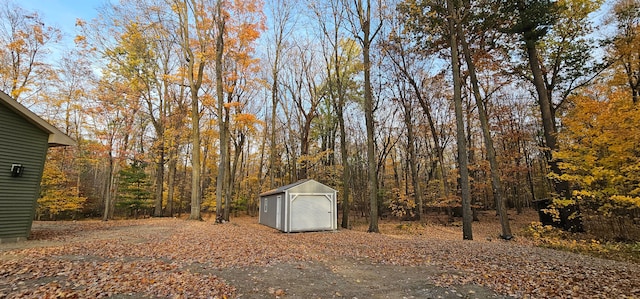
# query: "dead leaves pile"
{"type": "Point", "coordinates": [179, 259]}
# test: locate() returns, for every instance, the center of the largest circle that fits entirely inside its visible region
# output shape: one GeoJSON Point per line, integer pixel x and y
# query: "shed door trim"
{"type": "Point", "coordinates": [278, 211]}
{"type": "Point", "coordinates": [287, 216]}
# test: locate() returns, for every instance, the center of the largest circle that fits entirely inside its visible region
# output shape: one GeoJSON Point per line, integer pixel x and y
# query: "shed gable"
{"type": "Point", "coordinates": [311, 186]}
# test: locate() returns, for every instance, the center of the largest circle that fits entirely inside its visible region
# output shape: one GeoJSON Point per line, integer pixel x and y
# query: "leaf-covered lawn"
{"type": "Point", "coordinates": [186, 259]}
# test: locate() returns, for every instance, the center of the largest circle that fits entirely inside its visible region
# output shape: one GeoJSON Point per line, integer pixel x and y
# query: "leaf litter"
{"type": "Point", "coordinates": [174, 258]}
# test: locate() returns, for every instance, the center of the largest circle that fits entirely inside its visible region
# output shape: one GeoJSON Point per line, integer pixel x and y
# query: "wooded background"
{"type": "Point", "coordinates": [191, 106]}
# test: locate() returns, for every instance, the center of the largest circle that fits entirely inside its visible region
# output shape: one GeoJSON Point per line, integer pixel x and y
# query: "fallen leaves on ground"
{"type": "Point", "coordinates": [180, 259]}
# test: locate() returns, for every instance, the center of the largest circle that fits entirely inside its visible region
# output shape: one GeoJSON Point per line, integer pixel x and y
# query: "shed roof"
{"type": "Point", "coordinates": [56, 137]}
{"type": "Point", "coordinates": [287, 187]}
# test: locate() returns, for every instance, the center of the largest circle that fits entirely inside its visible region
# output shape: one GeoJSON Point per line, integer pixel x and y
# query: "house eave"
{"type": "Point", "coordinates": [56, 140]}
{"type": "Point", "coordinates": [56, 137]}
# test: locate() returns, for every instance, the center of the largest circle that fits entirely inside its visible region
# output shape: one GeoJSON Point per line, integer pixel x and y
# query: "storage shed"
{"type": "Point", "coordinates": [24, 140]}
{"type": "Point", "coordinates": [306, 205]}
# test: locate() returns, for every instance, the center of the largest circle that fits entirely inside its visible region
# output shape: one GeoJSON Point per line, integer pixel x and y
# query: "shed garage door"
{"type": "Point", "coordinates": [311, 212]}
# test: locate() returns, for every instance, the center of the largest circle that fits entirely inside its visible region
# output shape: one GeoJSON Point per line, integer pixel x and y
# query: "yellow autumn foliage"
{"type": "Point", "coordinates": [57, 193]}
{"type": "Point", "coordinates": [600, 153]}
{"type": "Point", "coordinates": [401, 205]}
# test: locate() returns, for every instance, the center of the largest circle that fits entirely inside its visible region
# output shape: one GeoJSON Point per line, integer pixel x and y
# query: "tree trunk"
{"type": "Point", "coordinates": [228, 180]}
{"type": "Point", "coordinates": [548, 118]}
{"type": "Point", "coordinates": [413, 161]}
{"type": "Point", "coordinates": [338, 101]}
{"type": "Point", "coordinates": [346, 170]}
{"type": "Point", "coordinates": [434, 134]}
{"type": "Point", "coordinates": [195, 157]}
{"type": "Point", "coordinates": [274, 109]}
{"type": "Point", "coordinates": [233, 169]}
{"type": "Point", "coordinates": [195, 82]}
{"type": "Point", "coordinates": [561, 187]}
{"type": "Point", "coordinates": [467, 216]}
{"type": "Point", "coordinates": [171, 184]}
{"type": "Point", "coordinates": [372, 183]}
{"type": "Point", "coordinates": [261, 179]}
{"type": "Point", "coordinates": [108, 194]}
{"type": "Point", "coordinates": [304, 143]}
{"type": "Point", "coordinates": [363, 14]}
{"type": "Point", "coordinates": [159, 179]}
{"type": "Point", "coordinates": [222, 126]}
{"type": "Point", "coordinates": [498, 193]}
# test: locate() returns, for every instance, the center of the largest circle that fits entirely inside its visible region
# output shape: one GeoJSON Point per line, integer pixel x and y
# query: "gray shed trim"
{"type": "Point", "coordinates": [24, 139]}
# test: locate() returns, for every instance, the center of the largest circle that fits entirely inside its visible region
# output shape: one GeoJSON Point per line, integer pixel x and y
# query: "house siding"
{"type": "Point", "coordinates": [24, 143]}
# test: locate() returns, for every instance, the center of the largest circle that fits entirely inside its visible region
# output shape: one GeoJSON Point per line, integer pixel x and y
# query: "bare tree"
{"type": "Point", "coordinates": [360, 17]}
{"type": "Point", "coordinates": [340, 62]}
{"type": "Point", "coordinates": [281, 26]}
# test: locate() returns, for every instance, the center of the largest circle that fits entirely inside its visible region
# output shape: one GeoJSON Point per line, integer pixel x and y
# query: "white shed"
{"type": "Point", "coordinates": [306, 205]}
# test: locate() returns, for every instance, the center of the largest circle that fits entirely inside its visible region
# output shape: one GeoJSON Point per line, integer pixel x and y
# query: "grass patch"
{"type": "Point", "coordinates": [551, 237]}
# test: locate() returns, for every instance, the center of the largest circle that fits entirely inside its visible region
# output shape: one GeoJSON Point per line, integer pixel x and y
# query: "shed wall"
{"type": "Point", "coordinates": [23, 143]}
{"type": "Point", "coordinates": [268, 210]}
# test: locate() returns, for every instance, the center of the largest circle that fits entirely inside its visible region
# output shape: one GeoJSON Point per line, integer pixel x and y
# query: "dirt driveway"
{"type": "Point", "coordinates": [345, 279]}
{"type": "Point", "coordinates": [173, 258]}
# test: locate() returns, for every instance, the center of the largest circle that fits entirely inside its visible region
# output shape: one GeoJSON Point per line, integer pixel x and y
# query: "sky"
{"type": "Point", "coordinates": [63, 13]}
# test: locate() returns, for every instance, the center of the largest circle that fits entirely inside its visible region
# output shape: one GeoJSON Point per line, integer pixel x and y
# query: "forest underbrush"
{"type": "Point", "coordinates": [527, 230]}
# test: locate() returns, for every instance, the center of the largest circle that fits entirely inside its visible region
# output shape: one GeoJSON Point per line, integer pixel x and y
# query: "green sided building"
{"type": "Point", "coordinates": [24, 140]}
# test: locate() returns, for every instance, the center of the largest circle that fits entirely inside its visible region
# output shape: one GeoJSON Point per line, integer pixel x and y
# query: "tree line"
{"type": "Point", "coordinates": [405, 107]}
